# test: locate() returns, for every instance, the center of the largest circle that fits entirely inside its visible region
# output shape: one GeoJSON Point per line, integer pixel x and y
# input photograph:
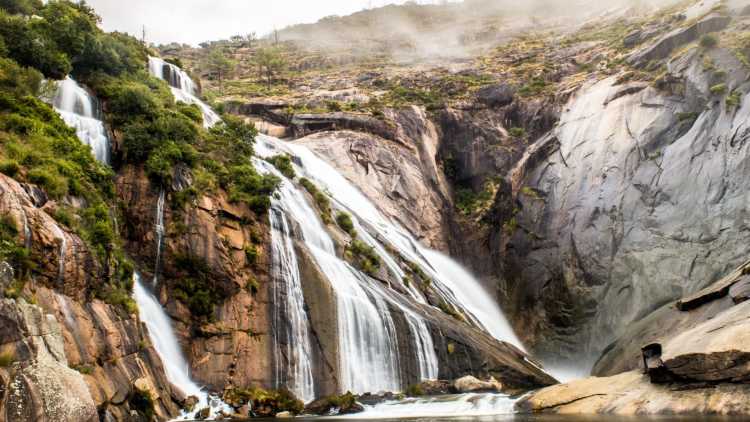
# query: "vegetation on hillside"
{"type": "Point", "coordinates": [41, 42]}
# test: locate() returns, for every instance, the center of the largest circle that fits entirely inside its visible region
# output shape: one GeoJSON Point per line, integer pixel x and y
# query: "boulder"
{"type": "Point", "coordinates": [436, 387]}
{"type": "Point", "coordinates": [632, 394]}
{"type": "Point", "coordinates": [470, 384]}
{"type": "Point", "coordinates": [42, 387]}
{"type": "Point", "coordinates": [344, 404]}
{"type": "Point", "coordinates": [498, 95]}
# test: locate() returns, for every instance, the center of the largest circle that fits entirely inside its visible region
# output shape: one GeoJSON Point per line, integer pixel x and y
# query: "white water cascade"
{"type": "Point", "coordinates": [81, 111]}
{"type": "Point", "coordinates": [369, 359]}
{"type": "Point", "coordinates": [165, 342]}
{"type": "Point", "coordinates": [290, 319]}
{"type": "Point", "coordinates": [183, 87]}
{"type": "Point", "coordinates": [367, 345]}
{"type": "Point", "coordinates": [463, 405]}
{"type": "Point", "coordinates": [159, 229]}
{"type": "Point", "coordinates": [456, 285]}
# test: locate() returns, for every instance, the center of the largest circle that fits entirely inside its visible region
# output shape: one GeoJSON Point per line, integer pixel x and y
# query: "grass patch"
{"type": "Point", "coordinates": [344, 221]}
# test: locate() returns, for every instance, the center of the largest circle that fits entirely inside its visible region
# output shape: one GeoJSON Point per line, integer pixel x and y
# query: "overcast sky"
{"type": "Point", "coordinates": [195, 21]}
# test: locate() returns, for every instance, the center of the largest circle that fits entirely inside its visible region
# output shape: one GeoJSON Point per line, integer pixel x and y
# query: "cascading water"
{"type": "Point", "coordinates": [291, 324]}
{"type": "Point", "coordinates": [366, 334]}
{"type": "Point", "coordinates": [159, 229]}
{"type": "Point", "coordinates": [165, 342]}
{"type": "Point", "coordinates": [462, 405]}
{"type": "Point", "coordinates": [369, 359]}
{"type": "Point", "coordinates": [183, 87]}
{"type": "Point", "coordinates": [61, 254]}
{"type": "Point", "coordinates": [456, 285]}
{"type": "Point", "coordinates": [81, 111]}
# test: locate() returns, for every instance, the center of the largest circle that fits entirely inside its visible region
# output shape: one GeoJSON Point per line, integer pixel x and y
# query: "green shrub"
{"type": "Point", "coordinates": [251, 255]}
{"type": "Point", "coordinates": [362, 256]}
{"type": "Point", "coordinates": [9, 167]}
{"type": "Point", "coordinates": [18, 80]}
{"type": "Point", "coordinates": [719, 89]}
{"type": "Point", "coordinates": [321, 199]}
{"type": "Point", "coordinates": [517, 132]}
{"type": "Point", "coordinates": [7, 359]}
{"type": "Point", "coordinates": [24, 7]}
{"type": "Point", "coordinates": [414, 390]}
{"type": "Point", "coordinates": [283, 163]}
{"type": "Point", "coordinates": [143, 403]}
{"type": "Point", "coordinates": [84, 369]}
{"type": "Point", "coordinates": [252, 285]}
{"type": "Point", "coordinates": [734, 99]}
{"type": "Point", "coordinates": [687, 116]}
{"type": "Point", "coordinates": [195, 286]}
{"type": "Point", "coordinates": [708, 41]}
{"type": "Point", "coordinates": [344, 221]}
{"type": "Point", "coordinates": [50, 180]}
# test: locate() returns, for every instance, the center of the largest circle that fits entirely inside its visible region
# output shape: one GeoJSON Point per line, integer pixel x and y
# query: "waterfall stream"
{"type": "Point", "coordinates": [369, 359]}
{"type": "Point", "coordinates": [456, 285]}
{"type": "Point", "coordinates": [183, 87]}
{"type": "Point", "coordinates": [292, 323]}
{"type": "Point", "coordinates": [159, 229]}
{"type": "Point", "coordinates": [82, 112]}
{"type": "Point", "coordinates": [164, 340]}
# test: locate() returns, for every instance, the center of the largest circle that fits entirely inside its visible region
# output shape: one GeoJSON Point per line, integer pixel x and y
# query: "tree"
{"type": "Point", "coordinates": [251, 38]}
{"type": "Point", "coordinates": [220, 65]}
{"type": "Point", "coordinates": [270, 63]}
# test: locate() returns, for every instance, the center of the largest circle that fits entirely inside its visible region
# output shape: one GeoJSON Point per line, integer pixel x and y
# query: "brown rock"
{"type": "Point", "coordinates": [470, 384]}
{"type": "Point", "coordinates": [632, 394]}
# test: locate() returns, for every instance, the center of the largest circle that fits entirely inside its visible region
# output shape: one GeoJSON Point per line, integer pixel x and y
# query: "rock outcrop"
{"type": "Point", "coordinates": [209, 238]}
{"type": "Point", "coordinates": [607, 226]}
{"type": "Point", "coordinates": [74, 357]}
{"type": "Point", "coordinates": [697, 362]}
{"type": "Point", "coordinates": [631, 394]}
{"type": "Point", "coordinates": [38, 385]}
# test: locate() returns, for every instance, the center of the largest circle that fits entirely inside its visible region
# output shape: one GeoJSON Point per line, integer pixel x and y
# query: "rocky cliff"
{"type": "Point", "coordinates": [67, 357]}
{"type": "Point", "coordinates": [689, 357]}
{"type": "Point", "coordinates": [638, 201]}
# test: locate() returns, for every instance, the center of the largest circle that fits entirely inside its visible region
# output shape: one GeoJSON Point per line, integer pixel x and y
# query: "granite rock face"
{"type": "Point", "coordinates": [634, 202]}
{"type": "Point", "coordinates": [701, 364]}
{"type": "Point", "coordinates": [631, 394]}
{"type": "Point", "coordinates": [67, 329]}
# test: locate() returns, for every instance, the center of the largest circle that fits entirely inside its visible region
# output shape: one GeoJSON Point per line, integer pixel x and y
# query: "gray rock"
{"type": "Point", "coordinates": [662, 48]}
{"type": "Point", "coordinates": [498, 95]}
{"type": "Point", "coordinates": [627, 202]}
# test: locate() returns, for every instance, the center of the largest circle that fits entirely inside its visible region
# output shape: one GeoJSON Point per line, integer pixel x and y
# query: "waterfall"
{"type": "Point", "coordinates": [81, 111]}
{"type": "Point", "coordinates": [159, 229]}
{"type": "Point", "coordinates": [164, 340]}
{"type": "Point", "coordinates": [61, 254]}
{"type": "Point", "coordinates": [455, 285]}
{"type": "Point", "coordinates": [183, 87]}
{"type": "Point", "coordinates": [292, 322]}
{"type": "Point", "coordinates": [367, 347]}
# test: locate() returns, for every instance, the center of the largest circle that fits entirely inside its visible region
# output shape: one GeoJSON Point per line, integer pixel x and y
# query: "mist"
{"type": "Point", "coordinates": [453, 30]}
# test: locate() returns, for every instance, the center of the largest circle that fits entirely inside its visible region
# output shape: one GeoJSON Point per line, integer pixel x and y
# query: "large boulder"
{"type": "Point", "coordinates": [631, 394]}
{"type": "Point", "coordinates": [41, 386]}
